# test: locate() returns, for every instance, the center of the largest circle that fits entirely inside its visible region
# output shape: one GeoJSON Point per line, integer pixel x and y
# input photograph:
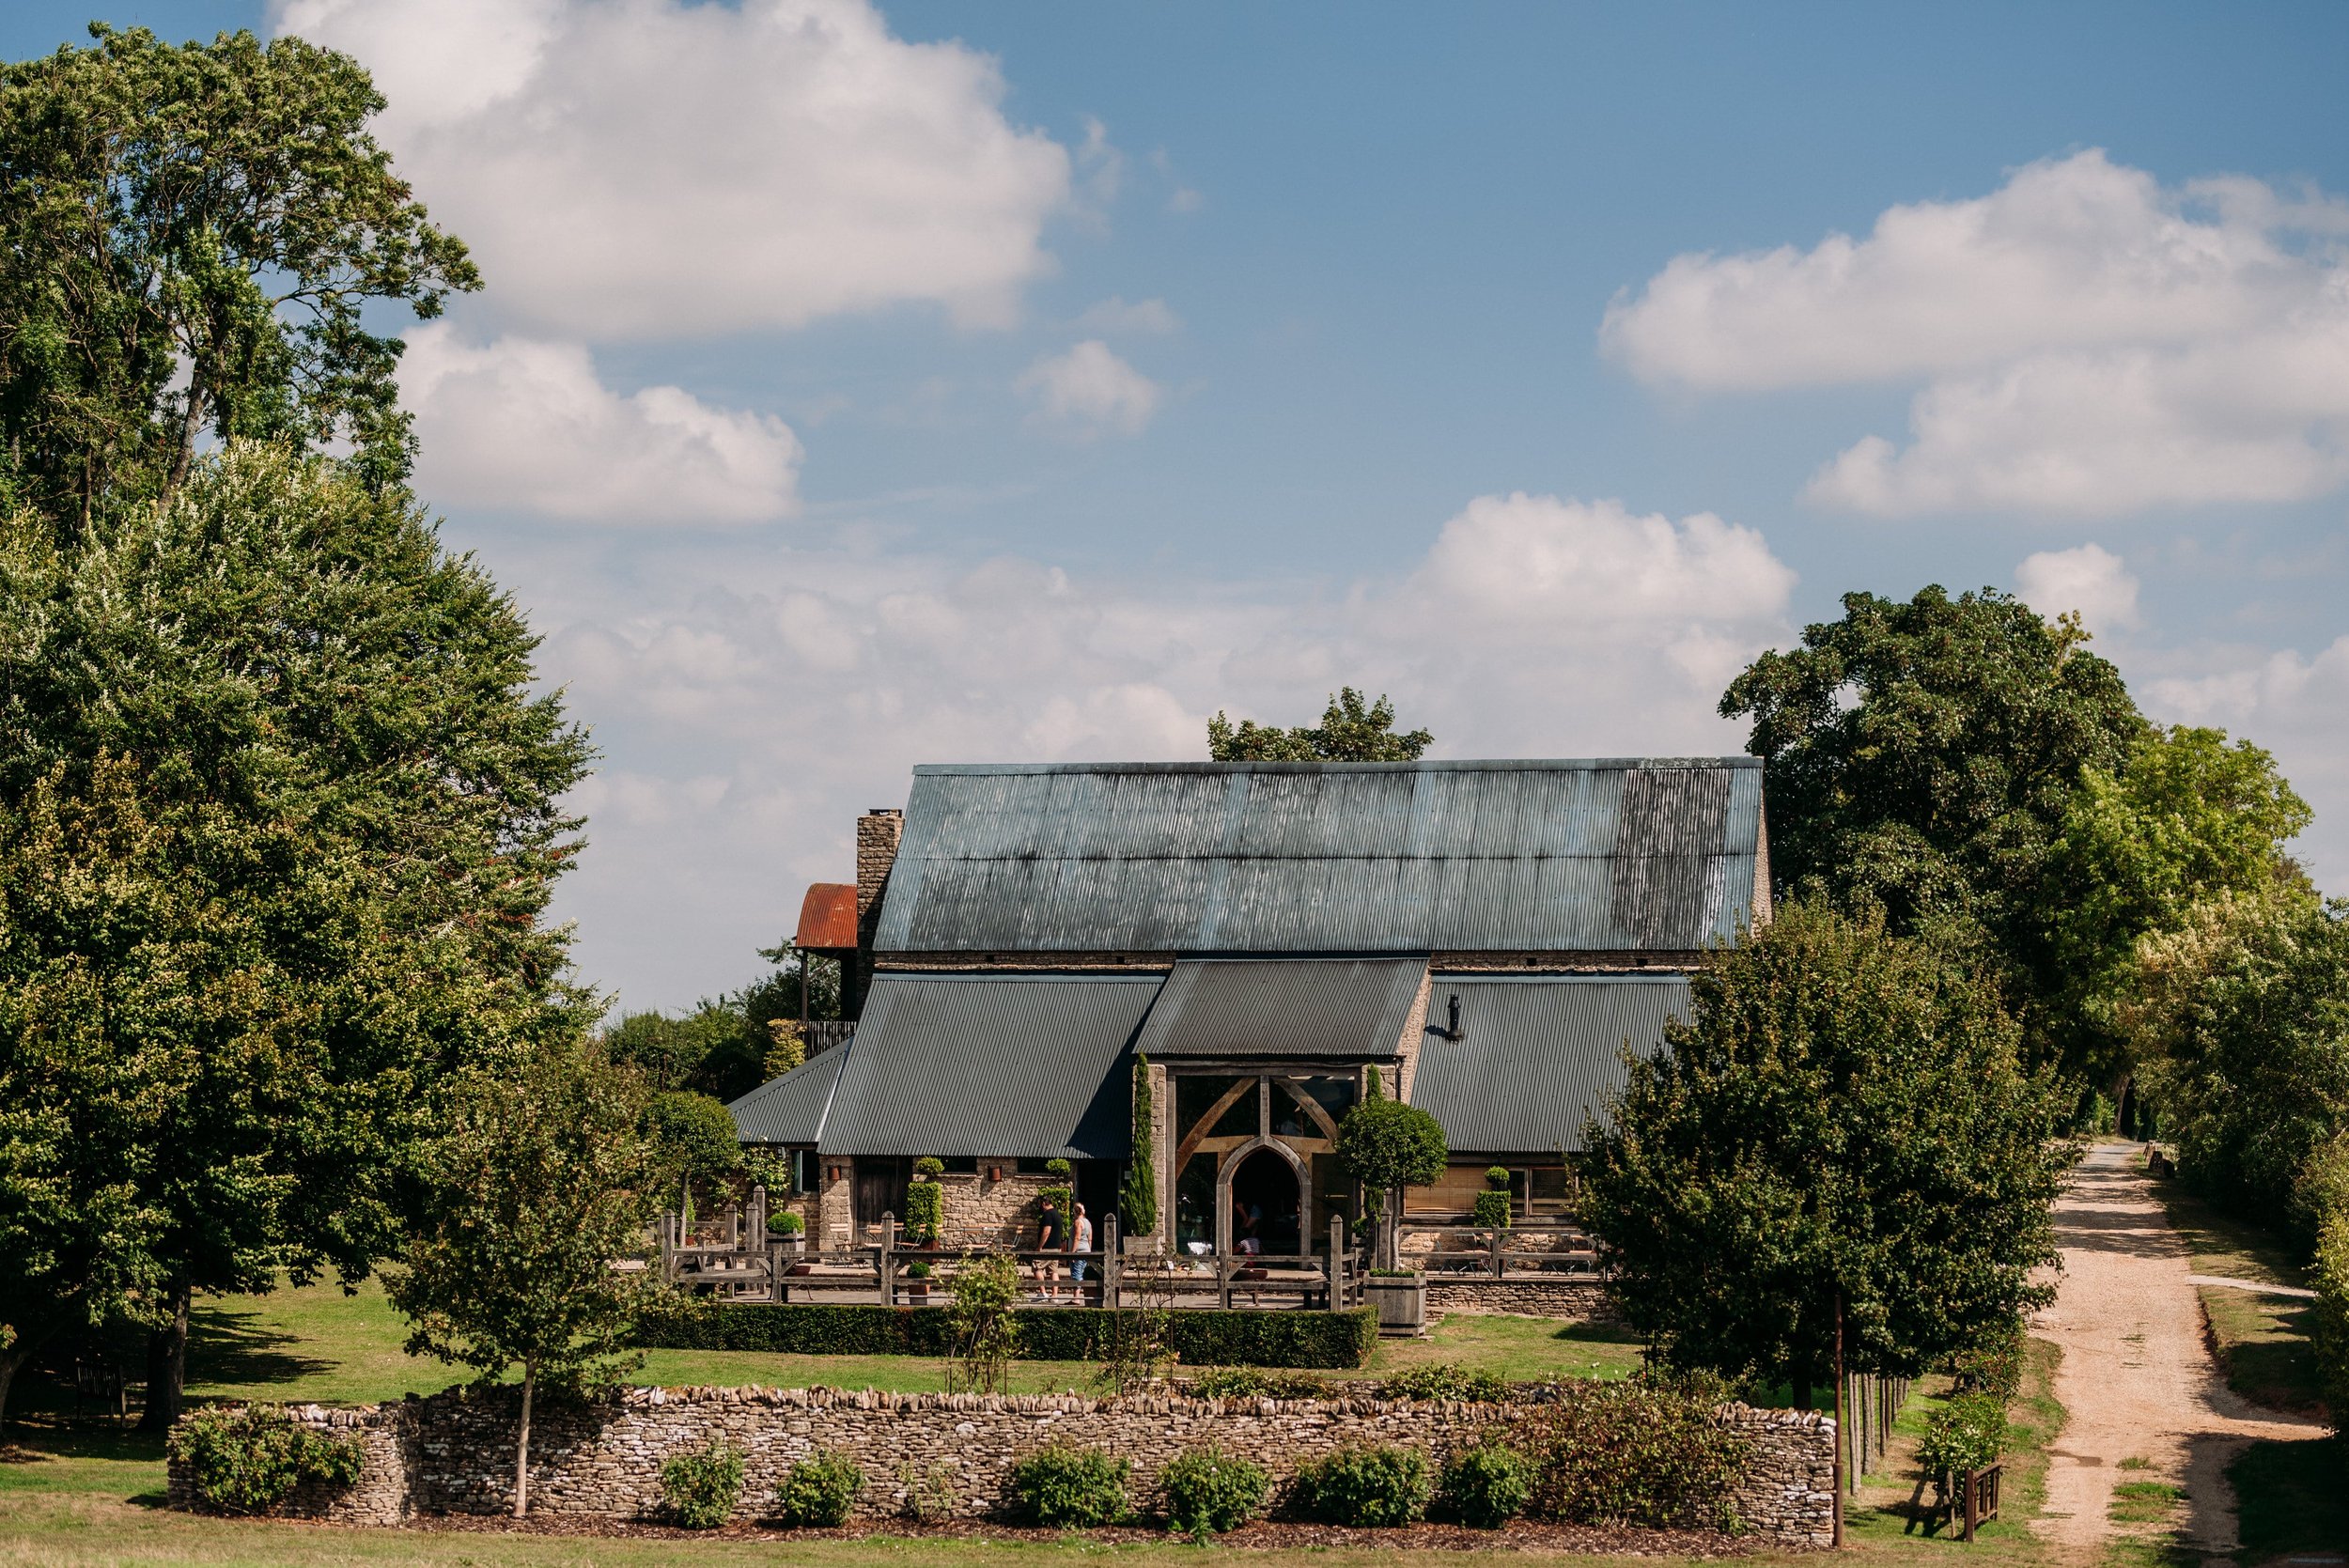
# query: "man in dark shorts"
{"type": "Point", "coordinates": [1052, 1236]}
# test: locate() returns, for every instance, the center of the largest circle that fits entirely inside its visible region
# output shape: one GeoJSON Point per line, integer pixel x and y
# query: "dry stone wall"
{"type": "Point", "coordinates": [1575, 1300]}
{"type": "Point", "coordinates": [453, 1452]}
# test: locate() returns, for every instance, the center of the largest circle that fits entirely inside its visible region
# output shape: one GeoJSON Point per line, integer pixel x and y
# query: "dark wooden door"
{"type": "Point", "coordinates": [881, 1189]}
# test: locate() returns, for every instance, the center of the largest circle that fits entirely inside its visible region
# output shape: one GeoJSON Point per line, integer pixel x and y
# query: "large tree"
{"type": "Point", "coordinates": [1844, 1130]}
{"type": "Point", "coordinates": [2241, 1016]}
{"type": "Point", "coordinates": [196, 236]}
{"type": "Point", "coordinates": [1922, 757]}
{"type": "Point", "coordinates": [2185, 818]}
{"type": "Point", "coordinates": [1352, 729]}
{"type": "Point", "coordinates": [329, 722]}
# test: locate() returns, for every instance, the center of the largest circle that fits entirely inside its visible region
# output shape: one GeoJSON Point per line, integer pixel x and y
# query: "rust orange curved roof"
{"type": "Point", "coordinates": [828, 918]}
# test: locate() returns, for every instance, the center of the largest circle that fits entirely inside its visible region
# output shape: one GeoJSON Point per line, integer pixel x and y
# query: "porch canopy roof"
{"type": "Point", "coordinates": [1016, 1065]}
{"type": "Point", "coordinates": [1243, 1009]}
{"type": "Point", "coordinates": [1537, 1054]}
{"type": "Point", "coordinates": [790, 1109]}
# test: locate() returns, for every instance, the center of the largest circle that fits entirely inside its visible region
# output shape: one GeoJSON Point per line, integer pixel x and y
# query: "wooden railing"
{"type": "Point", "coordinates": [728, 1261]}
{"type": "Point", "coordinates": [1472, 1251]}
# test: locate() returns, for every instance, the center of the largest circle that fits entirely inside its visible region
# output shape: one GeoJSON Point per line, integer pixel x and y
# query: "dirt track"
{"type": "Point", "coordinates": [2136, 1380]}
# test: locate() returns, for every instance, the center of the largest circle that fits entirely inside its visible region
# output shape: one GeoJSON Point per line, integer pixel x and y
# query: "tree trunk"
{"type": "Point", "coordinates": [521, 1445]}
{"type": "Point", "coordinates": [167, 1365]}
{"type": "Point", "coordinates": [12, 1358]}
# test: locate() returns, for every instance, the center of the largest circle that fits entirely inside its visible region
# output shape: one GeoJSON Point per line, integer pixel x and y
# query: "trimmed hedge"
{"type": "Point", "coordinates": [1202, 1338]}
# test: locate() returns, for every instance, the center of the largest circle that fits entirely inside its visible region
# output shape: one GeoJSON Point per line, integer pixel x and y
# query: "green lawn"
{"type": "Point", "coordinates": [2261, 1340]}
{"type": "Point", "coordinates": [318, 1343]}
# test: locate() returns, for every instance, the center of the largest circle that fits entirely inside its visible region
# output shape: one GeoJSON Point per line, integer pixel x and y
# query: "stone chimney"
{"type": "Point", "coordinates": [878, 832]}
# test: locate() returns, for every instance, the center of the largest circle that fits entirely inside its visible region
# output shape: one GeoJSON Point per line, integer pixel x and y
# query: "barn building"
{"type": "Point", "coordinates": [1487, 936]}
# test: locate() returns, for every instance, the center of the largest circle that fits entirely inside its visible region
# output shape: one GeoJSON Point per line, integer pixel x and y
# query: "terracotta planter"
{"type": "Point", "coordinates": [1401, 1300]}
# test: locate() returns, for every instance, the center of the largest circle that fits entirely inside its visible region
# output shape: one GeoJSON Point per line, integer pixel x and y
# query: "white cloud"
{"type": "Point", "coordinates": [1114, 315]}
{"type": "Point", "coordinates": [1089, 390]}
{"type": "Point", "coordinates": [525, 426]}
{"type": "Point", "coordinates": [2090, 342]}
{"type": "Point", "coordinates": [809, 684]}
{"type": "Point", "coordinates": [640, 168]}
{"type": "Point", "coordinates": [2090, 579]}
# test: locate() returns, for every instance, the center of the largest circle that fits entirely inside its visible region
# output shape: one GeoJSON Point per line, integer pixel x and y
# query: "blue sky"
{"type": "Point", "coordinates": [860, 387]}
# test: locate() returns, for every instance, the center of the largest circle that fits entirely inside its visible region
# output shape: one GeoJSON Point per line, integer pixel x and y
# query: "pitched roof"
{"type": "Point", "coordinates": [1019, 1065]}
{"type": "Point", "coordinates": [1235, 1009]}
{"type": "Point", "coordinates": [1654, 854]}
{"type": "Point", "coordinates": [790, 1109]}
{"type": "Point", "coordinates": [1537, 1054]}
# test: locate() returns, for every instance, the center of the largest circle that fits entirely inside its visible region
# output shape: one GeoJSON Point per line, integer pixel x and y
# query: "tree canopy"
{"type": "Point", "coordinates": [195, 235]}
{"type": "Point", "coordinates": [1352, 729]}
{"type": "Point", "coordinates": [1845, 1122]}
{"type": "Point", "coordinates": [2185, 818]}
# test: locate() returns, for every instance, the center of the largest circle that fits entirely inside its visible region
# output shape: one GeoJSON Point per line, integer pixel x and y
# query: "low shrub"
{"type": "Point", "coordinates": [1060, 1484]}
{"type": "Point", "coordinates": [918, 1269]}
{"type": "Point", "coordinates": [819, 1492]}
{"type": "Point", "coordinates": [699, 1490]}
{"type": "Point", "coordinates": [786, 1224]}
{"type": "Point", "coordinates": [1967, 1433]}
{"type": "Point", "coordinates": [1209, 1491]}
{"type": "Point", "coordinates": [1364, 1485]}
{"type": "Point", "coordinates": [1254, 1383]}
{"type": "Point", "coordinates": [249, 1460]}
{"type": "Point", "coordinates": [1994, 1367]}
{"type": "Point", "coordinates": [1491, 1212]}
{"type": "Point", "coordinates": [1497, 1177]}
{"type": "Point", "coordinates": [929, 1167]}
{"type": "Point", "coordinates": [1485, 1486]}
{"type": "Point", "coordinates": [926, 1211]}
{"type": "Point", "coordinates": [1208, 1338]}
{"type": "Point", "coordinates": [1644, 1452]}
{"type": "Point", "coordinates": [1445, 1380]}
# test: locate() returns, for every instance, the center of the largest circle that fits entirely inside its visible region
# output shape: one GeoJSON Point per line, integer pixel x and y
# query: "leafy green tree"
{"type": "Point", "coordinates": [2185, 818]}
{"type": "Point", "coordinates": [693, 1136]}
{"type": "Point", "coordinates": [541, 1182]}
{"type": "Point", "coordinates": [704, 1050]}
{"type": "Point", "coordinates": [1922, 757]}
{"type": "Point", "coordinates": [1385, 1144]}
{"type": "Point", "coordinates": [198, 237]}
{"type": "Point", "coordinates": [1844, 1126]}
{"type": "Point", "coordinates": [2242, 1016]}
{"type": "Point", "coordinates": [330, 725]}
{"type": "Point", "coordinates": [92, 985]}
{"type": "Point", "coordinates": [1351, 730]}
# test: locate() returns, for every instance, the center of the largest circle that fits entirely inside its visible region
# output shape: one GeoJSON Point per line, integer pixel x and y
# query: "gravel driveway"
{"type": "Point", "coordinates": [2136, 1381]}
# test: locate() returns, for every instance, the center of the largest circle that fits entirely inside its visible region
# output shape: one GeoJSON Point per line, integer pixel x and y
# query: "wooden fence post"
{"type": "Point", "coordinates": [1108, 1261]}
{"type": "Point", "coordinates": [888, 1261]}
{"type": "Point", "coordinates": [1337, 1264]}
{"type": "Point", "coordinates": [1496, 1251]}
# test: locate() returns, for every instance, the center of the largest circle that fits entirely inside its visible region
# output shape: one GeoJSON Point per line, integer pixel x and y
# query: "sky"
{"type": "Point", "coordinates": [857, 386]}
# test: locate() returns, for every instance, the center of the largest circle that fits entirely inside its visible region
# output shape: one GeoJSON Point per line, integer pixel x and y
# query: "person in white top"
{"type": "Point", "coordinates": [1083, 1244]}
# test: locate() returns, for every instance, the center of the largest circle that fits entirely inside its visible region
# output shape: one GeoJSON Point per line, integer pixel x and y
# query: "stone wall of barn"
{"type": "Point", "coordinates": [453, 1452]}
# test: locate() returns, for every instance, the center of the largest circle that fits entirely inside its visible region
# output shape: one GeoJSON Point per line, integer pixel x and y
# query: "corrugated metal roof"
{"type": "Point", "coordinates": [827, 918]}
{"type": "Point", "coordinates": [1537, 1054]}
{"type": "Point", "coordinates": [1019, 1065]}
{"type": "Point", "coordinates": [1653, 854]}
{"type": "Point", "coordinates": [1233, 1008]}
{"type": "Point", "coordinates": [790, 1109]}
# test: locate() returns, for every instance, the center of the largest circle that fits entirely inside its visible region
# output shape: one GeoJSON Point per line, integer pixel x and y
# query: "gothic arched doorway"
{"type": "Point", "coordinates": [1267, 1203]}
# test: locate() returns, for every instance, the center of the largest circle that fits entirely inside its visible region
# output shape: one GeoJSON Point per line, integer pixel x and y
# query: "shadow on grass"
{"type": "Point", "coordinates": [2290, 1497]}
{"type": "Point", "coordinates": [1597, 1333]}
{"type": "Point", "coordinates": [230, 1347]}
{"type": "Point", "coordinates": [2278, 1373]}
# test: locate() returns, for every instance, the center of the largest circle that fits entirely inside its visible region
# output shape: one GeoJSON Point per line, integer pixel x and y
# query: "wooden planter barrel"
{"type": "Point", "coordinates": [1401, 1300]}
